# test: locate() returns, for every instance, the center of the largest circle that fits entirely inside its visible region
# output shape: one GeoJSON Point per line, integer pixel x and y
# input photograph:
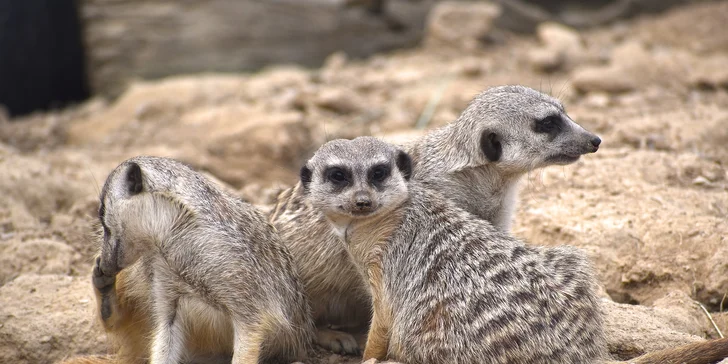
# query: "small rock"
{"type": "Point", "coordinates": [460, 24]}
{"type": "Point", "coordinates": [562, 48]}
{"type": "Point", "coordinates": [342, 101]}
{"type": "Point", "coordinates": [597, 99]}
{"type": "Point", "coordinates": [559, 36]}
{"type": "Point", "coordinates": [603, 79]}
{"type": "Point", "coordinates": [710, 73]}
{"type": "Point", "coordinates": [471, 68]}
{"type": "Point", "coordinates": [701, 181]}
{"type": "Point", "coordinates": [633, 330]}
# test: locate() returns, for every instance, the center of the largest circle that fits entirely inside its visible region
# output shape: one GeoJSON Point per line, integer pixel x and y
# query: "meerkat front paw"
{"type": "Point", "coordinates": [102, 281]}
{"type": "Point", "coordinates": [337, 341]}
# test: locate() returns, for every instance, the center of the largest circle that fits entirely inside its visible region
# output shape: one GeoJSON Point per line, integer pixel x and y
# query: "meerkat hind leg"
{"type": "Point", "coordinates": [248, 341]}
{"type": "Point", "coordinates": [169, 340]}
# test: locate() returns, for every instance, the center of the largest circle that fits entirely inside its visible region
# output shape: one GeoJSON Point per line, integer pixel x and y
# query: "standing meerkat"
{"type": "Point", "coordinates": [449, 287]}
{"type": "Point", "coordinates": [213, 263]}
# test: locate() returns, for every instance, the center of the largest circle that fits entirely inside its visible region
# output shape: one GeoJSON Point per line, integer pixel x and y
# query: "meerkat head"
{"type": "Point", "coordinates": [355, 179]}
{"type": "Point", "coordinates": [520, 129]}
{"type": "Point", "coordinates": [131, 215]}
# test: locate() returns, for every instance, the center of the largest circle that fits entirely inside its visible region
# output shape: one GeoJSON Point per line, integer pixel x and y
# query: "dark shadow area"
{"type": "Point", "coordinates": [41, 55]}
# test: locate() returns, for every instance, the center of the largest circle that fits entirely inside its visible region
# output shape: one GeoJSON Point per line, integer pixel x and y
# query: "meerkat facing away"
{"type": "Point", "coordinates": [449, 287]}
{"type": "Point", "coordinates": [214, 260]}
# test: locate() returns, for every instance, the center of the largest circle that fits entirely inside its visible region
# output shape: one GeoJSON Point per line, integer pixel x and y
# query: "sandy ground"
{"type": "Point", "coordinates": [650, 208]}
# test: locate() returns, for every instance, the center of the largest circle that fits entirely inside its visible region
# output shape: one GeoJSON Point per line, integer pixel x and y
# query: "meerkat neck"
{"type": "Point", "coordinates": [367, 238]}
{"type": "Point", "coordinates": [446, 159]}
{"type": "Point", "coordinates": [165, 219]}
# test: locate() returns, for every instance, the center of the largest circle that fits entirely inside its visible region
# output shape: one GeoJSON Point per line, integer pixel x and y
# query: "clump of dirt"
{"type": "Point", "coordinates": [650, 207]}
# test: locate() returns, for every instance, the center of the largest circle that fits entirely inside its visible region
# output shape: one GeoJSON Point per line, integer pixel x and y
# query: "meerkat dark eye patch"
{"type": "Point", "coordinates": [490, 144]}
{"type": "Point", "coordinates": [338, 176]}
{"type": "Point", "coordinates": [305, 175]}
{"type": "Point", "coordinates": [378, 174]}
{"type": "Point", "coordinates": [550, 125]}
{"type": "Point", "coordinates": [134, 179]}
{"type": "Point", "coordinates": [404, 164]}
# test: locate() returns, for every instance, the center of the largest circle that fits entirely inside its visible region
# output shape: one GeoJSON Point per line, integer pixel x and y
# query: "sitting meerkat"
{"type": "Point", "coordinates": [214, 265]}
{"type": "Point", "coordinates": [448, 287]}
{"type": "Point", "coordinates": [476, 161]}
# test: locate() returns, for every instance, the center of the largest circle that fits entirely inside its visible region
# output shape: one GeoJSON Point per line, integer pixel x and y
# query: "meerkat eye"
{"type": "Point", "coordinates": [379, 173]}
{"type": "Point", "coordinates": [547, 124]}
{"type": "Point", "coordinates": [337, 176]}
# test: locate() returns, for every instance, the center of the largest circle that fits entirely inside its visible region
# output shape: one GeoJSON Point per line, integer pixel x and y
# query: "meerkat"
{"type": "Point", "coordinates": [477, 161]}
{"type": "Point", "coordinates": [212, 262]}
{"type": "Point", "coordinates": [448, 287]}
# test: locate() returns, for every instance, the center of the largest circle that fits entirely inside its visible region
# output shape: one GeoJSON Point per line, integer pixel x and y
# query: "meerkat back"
{"type": "Point", "coordinates": [216, 257]}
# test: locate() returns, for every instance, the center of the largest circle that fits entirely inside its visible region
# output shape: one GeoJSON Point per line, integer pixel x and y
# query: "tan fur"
{"type": "Point", "coordinates": [378, 338]}
{"type": "Point", "coordinates": [698, 353]}
{"type": "Point", "coordinates": [96, 359]}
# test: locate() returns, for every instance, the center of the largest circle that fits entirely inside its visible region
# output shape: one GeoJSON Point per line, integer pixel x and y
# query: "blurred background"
{"type": "Point", "coordinates": [246, 90]}
{"type": "Point", "coordinates": [54, 52]}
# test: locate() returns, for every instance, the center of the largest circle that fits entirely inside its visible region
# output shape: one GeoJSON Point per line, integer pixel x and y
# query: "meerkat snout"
{"type": "Point", "coordinates": [363, 201]}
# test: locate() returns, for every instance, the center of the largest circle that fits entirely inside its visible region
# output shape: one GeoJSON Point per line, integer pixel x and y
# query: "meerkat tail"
{"type": "Point", "coordinates": [697, 353]}
{"type": "Point", "coordinates": [96, 359]}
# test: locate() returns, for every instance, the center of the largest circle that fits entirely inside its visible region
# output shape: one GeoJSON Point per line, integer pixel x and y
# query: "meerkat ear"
{"type": "Point", "coordinates": [134, 179]}
{"type": "Point", "coordinates": [404, 163]}
{"type": "Point", "coordinates": [490, 144]}
{"type": "Point", "coordinates": [305, 176]}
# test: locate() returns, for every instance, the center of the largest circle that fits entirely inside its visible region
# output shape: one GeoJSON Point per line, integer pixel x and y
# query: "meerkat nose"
{"type": "Point", "coordinates": [362, 200]}
{"type": "Point", "coordinates": [596, 141]}
{"type": "Point", "coordinates": [363, 203]}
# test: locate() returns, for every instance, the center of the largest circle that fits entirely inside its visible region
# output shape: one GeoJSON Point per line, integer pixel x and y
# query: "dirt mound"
{"type": "Point", "coordinates": [650, 207]}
